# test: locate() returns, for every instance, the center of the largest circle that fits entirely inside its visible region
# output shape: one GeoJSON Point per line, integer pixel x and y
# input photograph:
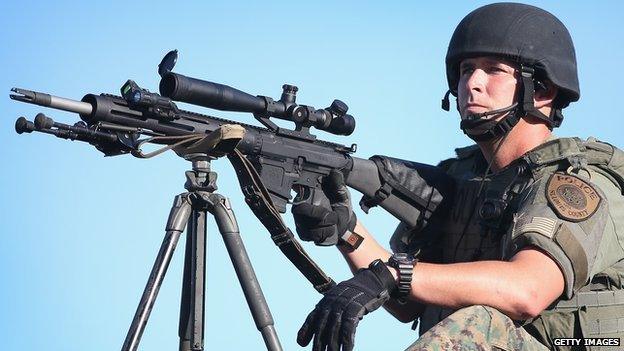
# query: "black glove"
{"type": "Point", "coordinates": [319, 224]}
{"type": "Point", "coordinates": [335, 317]}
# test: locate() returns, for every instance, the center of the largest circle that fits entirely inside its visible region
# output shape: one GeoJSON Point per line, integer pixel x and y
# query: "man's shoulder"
{"type": "Point", "coordinates": [576, 153]}
{"type": "Point", "coordinates": [466, 158]}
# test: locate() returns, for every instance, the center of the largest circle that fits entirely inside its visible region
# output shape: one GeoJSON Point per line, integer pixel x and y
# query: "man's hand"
{"type": "Point", "coordinates": [333, 321]}
{"type": "Point", "coordinates": [318, 224]}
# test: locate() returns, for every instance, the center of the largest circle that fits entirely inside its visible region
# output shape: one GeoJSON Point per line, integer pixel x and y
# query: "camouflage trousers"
{"type": "Point", "coordinates": [477, 328]}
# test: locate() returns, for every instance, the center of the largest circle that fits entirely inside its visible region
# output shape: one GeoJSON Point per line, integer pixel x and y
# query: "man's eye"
{"type": "Point", "coordinates": [467, 70]}
{"type": "Point", "coordinates": [496, 69]}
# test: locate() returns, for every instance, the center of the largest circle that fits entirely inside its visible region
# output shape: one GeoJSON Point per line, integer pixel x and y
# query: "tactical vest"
{"type": "Point", "coordinates": [475, 225]}
{"type": "Point", "coordinates": [478, 219]}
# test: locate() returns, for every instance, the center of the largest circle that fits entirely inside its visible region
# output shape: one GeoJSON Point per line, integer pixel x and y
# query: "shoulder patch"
{"type": "Point", "coordinates": [571, 197]}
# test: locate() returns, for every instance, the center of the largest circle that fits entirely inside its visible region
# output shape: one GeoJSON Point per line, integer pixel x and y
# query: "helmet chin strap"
{"type": "Point", "coordinates": [479, 116]}
{"type": "Point", "coordinates": [479, 128]}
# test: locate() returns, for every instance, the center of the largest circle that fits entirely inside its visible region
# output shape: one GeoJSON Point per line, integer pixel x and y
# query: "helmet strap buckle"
{"type": "Point", "coordinates": [527, 74]}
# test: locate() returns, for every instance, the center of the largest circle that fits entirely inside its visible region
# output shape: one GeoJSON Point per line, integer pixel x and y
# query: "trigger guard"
{"type": "Point", "coordinates": [303, 194]}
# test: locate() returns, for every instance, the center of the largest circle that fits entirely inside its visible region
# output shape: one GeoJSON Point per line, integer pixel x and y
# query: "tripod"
{"type": "Point", "coordinates": [190, 209]}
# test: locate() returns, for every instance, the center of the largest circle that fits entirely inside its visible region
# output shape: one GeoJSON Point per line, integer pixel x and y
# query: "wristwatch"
{"type": "Point", "coordinates": [404, 263]}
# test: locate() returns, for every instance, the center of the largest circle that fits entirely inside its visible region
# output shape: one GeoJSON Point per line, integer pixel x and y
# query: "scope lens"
{"type": "Point", "coordinates": [136, 97]}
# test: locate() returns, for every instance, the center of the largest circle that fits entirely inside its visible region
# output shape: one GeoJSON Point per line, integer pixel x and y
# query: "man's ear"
{"type": "Point", "coordinates": [545, 94]}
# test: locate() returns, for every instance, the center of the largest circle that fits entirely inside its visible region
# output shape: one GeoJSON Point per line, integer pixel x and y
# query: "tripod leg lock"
{"type": "Point", "coordinates": [180, 212]}
{"type": "Point", "coordinates": [221, 208]}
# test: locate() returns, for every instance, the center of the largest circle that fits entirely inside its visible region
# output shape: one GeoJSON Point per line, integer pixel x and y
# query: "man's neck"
{"type": "Point", "coordinates": [520, 140]}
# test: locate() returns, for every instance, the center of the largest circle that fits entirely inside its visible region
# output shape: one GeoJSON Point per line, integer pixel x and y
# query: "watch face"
{"type": "Point", "coordinates": [402, 258]}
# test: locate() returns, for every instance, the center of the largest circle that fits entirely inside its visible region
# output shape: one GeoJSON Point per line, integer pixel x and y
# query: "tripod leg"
{"type": "Point", "coordinates": [191, 327]}
{"type": "Point", "coordinates": [178, 217]}
{"type": "Point", "coordinates": [228, 227]}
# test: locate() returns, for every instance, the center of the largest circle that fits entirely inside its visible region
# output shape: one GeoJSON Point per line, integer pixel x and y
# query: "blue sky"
{"type": "Point", "coordinates": [80, 231]}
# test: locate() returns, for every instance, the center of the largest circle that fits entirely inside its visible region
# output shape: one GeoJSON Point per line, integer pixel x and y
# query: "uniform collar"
{"type": "Point", "coordinates": [554, 150]}
{"type": "Point", "coordinates": [557, 153]}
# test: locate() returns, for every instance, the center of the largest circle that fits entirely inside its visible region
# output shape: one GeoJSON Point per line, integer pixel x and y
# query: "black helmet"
{"type": "Point", "coordinates": [533, 38]}
{"type": "Point", "coordinates": [521, 33]}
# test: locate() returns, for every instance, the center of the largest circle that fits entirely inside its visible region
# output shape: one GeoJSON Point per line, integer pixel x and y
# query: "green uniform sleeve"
{"type": "Point", "coordinates": [566, 217]}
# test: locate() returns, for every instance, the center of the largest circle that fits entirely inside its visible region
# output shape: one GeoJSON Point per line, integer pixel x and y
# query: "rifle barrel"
{"type": "Point", "coordinates": [47, 100]}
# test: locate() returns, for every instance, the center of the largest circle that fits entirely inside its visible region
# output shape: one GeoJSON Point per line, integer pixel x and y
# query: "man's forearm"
{"type": "Point", "coordinates": [512, 287]}
{"type": "Point", "coordinates": [521, 288]}
{"type": "Point", "coordinates": [367, 252]}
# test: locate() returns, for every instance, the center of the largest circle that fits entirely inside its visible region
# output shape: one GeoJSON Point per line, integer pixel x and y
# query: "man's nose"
{"type": "Point", "coordinates": [476, 81]}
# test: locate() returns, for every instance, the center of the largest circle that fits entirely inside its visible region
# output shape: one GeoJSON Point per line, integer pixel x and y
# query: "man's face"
{"type": "Point", "coordinates": [485, 84]}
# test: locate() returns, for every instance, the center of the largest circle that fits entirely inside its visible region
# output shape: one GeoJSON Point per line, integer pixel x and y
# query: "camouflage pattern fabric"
{"type": "Point", "coordinates": [477, 328]}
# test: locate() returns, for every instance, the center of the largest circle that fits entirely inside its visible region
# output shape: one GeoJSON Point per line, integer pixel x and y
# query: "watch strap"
{"type": "Point", "coordinates": [404, 263]}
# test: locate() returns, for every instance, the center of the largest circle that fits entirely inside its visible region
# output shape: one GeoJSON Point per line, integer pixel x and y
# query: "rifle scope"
{"type": "Point", "coordinates": [333, 119]}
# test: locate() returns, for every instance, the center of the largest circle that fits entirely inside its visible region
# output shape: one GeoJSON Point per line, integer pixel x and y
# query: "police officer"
{"type": "Point", "coordinates": [530, 246]}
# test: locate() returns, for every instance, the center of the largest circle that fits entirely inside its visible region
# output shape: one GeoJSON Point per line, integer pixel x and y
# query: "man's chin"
{"type": "Point", "coordinates": [473, 111]}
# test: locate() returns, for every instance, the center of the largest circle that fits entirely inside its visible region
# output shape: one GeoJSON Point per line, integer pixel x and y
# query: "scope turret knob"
{"type": "Point", "coordinates": [287, 88]}
{"type": "Point", "coordinates": [338, 108]}
{"type": "Point", "coordinates": [289, 94]}
{"type": "Point", "coordinates": [299, 114]}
